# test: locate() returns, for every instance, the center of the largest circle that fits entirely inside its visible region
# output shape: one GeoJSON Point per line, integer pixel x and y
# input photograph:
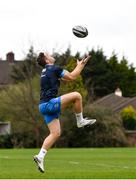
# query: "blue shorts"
{"type": "Point", "coordinates": [51, 109]}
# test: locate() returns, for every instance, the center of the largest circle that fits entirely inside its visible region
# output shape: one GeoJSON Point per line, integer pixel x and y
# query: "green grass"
{"type": "Point", "coordinates": [86, 163]}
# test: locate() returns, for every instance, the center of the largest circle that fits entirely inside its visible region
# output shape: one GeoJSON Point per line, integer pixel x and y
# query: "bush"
{"type": "Point", "coordinates": [20, 140]}
{"type": "Point", "coordinates": [107, 132]}
{"type": "Point", "coordinates": [128, 115]}
{"type": "Point", "coordinates": [5, 141]}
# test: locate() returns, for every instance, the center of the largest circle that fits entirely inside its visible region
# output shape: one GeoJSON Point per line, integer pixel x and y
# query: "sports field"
{"type": "Point", "coordinates": [107, 163]}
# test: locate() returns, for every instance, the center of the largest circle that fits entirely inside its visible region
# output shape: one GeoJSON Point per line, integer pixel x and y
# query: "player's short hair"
{"type": "Point", "coordinates": [41, 59]}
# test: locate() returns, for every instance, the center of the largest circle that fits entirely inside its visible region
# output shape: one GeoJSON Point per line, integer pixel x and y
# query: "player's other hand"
{"type": "Point", "coordinates": [83, 61]}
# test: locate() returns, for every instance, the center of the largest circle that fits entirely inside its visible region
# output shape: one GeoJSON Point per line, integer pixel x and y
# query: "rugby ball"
{"type": "Point", "coordinates": [80, 31]}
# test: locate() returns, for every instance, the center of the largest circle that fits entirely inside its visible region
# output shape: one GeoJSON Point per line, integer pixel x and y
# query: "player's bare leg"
{"type": "Point", "coordinates": [55, 131]}
{"type": "Point", "coordinates": [76, 99]}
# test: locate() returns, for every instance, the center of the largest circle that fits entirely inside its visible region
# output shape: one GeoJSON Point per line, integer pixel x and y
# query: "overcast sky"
{"type": "Point", "coordinates": [47, 25]}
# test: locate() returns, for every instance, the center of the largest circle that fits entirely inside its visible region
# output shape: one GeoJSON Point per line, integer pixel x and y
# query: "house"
{"type": "Point", "coordinates": [116, 101]}
{"type": "Point", "coordinates": [6, 68]}
{"type": "Point", "coordinates": [5, 79]}
{"type": "Point", "coordinates": [5, 128]}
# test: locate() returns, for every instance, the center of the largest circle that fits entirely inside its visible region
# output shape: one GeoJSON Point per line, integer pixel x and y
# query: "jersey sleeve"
{"type": "Point", "coordinates": [60, 72]}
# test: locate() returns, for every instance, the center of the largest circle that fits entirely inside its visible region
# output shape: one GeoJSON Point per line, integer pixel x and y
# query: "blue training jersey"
{"type": "Point", "coordinates": [50, 82]}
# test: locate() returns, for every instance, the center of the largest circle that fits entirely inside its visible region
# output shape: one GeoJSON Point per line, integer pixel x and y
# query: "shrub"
{"type": "Point", "coordinates": [5, 141]}
{"type": "Point", "coordinates": [107, 132]}
{"type": "Point", "coordinates": [128, 115]}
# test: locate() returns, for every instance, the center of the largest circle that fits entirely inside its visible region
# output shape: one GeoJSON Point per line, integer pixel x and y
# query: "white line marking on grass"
{"type": "Point", "coordinates": [7, 157]}
{"type": "Point", "coordinates": [100, 165]}
{"type": "Point", "coordinates": [4, 157]}
{"type": "Point", "coordinates": [73, 162]}
{"type": "Point", "coordinates": [111, 166]}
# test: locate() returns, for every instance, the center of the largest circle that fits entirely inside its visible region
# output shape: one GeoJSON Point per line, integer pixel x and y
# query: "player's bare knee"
{"type": "Point", "coordinates": [56, 134]}
{"type": "Point", "coordinates": [77, 95]}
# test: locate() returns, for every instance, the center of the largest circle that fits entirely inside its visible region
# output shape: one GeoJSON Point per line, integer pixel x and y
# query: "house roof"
{"type": "Point", "coordinates": [116, 103]}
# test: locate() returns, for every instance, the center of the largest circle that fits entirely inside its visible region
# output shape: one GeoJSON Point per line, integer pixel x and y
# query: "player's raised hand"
{"type": "Point", "coordinates": [84, 60]}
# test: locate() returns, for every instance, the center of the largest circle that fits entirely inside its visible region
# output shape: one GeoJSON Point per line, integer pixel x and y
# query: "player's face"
{"type": "Point", "coordinates": [49, 58]}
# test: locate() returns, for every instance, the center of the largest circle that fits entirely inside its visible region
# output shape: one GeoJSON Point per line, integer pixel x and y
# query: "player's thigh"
{"type": "Point", "coordinates": [54, 127]}
{"type": "Point", "coordinates": [66, 99]}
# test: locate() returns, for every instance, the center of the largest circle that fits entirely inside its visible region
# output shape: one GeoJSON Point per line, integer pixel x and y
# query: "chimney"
{"type": "Point", "coordinates": [10, 57]}
{"type": "Point", "coordinates": [118, 92]}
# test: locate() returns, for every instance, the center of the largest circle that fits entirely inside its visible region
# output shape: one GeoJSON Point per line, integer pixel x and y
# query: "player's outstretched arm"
{"type": "Point", "coordinates": [70, 76]}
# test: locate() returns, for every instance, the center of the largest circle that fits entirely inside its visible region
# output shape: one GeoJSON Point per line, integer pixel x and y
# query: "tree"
{"type": "Point", "coordinates": [27, 69]}
{"type": "Point", "coordinates": [76, 85]}
{"type": "Point", "coordinates": [19, 105]}
{"type": "Point", "coordinates": [63, 59]}
{"type": "Point", "coordinates": [102, 76]}
{"type": "Point", "coordinates": [21, 100]}
{"type": "Point", "coordinates": [122, 75]}
{"type": "Point", "coordinates": [95, 75]}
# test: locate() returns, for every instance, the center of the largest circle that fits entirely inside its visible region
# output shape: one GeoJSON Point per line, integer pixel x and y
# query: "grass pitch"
{"type": "Point", "coordinates": [80, 163]}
